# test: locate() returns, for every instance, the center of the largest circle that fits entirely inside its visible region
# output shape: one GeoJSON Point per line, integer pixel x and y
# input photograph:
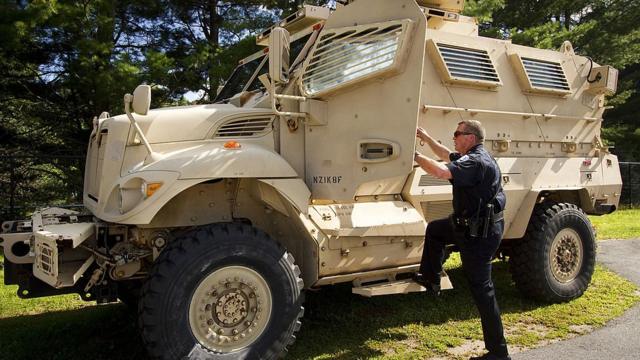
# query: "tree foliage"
{"type": "Point", "coordinates": [63, 62]}
{"type": "Point", "coordinates": [608, 31]}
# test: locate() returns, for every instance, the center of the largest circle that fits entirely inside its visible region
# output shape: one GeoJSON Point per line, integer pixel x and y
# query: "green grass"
{"type": "Point", "coordinates": [337, 324]}
{"type": "Point", "coordinates": [621, 224]}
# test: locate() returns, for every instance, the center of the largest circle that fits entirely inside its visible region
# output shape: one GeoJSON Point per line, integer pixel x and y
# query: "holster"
{"type": "Point", "coordinates": [478, 226]}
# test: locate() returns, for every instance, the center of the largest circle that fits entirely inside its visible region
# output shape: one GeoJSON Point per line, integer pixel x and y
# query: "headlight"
{"type": "Point", "coordinates": [128, 198]}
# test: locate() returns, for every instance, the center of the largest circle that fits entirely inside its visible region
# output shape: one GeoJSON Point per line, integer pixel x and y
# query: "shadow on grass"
{"type": "Point", "coordinates": [98, 332]}
{"type": "Point", "coordinates": [344, 325]}
{"type": "Point", "coordinates": [336, 322]}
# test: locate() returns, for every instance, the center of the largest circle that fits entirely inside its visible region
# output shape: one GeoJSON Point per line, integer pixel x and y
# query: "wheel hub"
{"type": "Point", "coordinates": [566, 255]}
{"type": "Point", "coordinates": [230, 309]}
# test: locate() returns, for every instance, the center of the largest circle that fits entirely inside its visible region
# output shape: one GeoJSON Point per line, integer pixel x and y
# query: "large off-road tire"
{"type": "Point", "coordinates": [555, 260]}
{"type": "Point", "coordinates": [224, 291]}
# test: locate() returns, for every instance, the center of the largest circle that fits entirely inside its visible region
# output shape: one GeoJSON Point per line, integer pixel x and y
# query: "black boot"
{"type": "Point", "coordinates": [489, 356]}
{"type": "Point", "coordinates": [432, 289]}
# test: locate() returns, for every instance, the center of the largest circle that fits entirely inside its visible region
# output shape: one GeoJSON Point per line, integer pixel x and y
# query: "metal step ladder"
{"type": "Point", "coordinates": [391, 286]}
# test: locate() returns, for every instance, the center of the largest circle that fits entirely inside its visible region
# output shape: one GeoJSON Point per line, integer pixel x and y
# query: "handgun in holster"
{"type": "Point", "coordinates": [479, 225]}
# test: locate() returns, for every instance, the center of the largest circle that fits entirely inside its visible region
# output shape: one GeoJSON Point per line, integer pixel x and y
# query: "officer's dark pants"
{"type": "Point", "coordinates": [476, 254]}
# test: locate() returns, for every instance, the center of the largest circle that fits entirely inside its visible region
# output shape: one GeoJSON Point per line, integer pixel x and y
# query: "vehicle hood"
{"type": "Point", "coordinates": [185, 123]}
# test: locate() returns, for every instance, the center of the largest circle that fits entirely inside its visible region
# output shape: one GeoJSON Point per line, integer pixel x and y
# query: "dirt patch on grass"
{"type": "Point", "coordinates": [469, 347]}
{"type": "Point", "coordinates": [521, 328]}
{"type": "Point", "coordinates": [581, 329]}
{"type": "Point", "coordinates": [411, 343]}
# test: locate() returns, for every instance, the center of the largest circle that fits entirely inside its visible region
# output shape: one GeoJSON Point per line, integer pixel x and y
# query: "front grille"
{"type": "Point", "coordinates": [95, 160]}
{"type": "Point", "coordinates": [244, 128]}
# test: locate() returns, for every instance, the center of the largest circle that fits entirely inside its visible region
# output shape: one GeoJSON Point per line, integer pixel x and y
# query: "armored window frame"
{"type": "Point", "coordinates": [344, 56]}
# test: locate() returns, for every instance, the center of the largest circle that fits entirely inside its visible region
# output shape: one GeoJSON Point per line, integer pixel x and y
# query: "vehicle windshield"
{"type": "Point", "coordinates": [239, 78]}
{"type": "Point", "coordinates": [244, 73]}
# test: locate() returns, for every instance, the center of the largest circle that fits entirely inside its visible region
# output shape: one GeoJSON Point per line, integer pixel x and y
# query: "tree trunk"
{"type": "Point", "coordinates": [214, 43]}
{"type": "Point", "coordinates": [567, 19]}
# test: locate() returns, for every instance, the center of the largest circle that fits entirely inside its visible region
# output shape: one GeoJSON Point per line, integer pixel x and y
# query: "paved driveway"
{"type": "Point", "coordinates": [620, 339]}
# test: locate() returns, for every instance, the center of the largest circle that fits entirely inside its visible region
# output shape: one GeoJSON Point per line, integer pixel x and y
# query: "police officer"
{"type": "Point", "coordinates": [475, 226]}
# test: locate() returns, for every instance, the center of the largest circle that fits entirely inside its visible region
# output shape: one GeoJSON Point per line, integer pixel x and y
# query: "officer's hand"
{"type": "Point", "coordinates": [422, 134]}
{"type": "Point", "coordinates": [416, 156]}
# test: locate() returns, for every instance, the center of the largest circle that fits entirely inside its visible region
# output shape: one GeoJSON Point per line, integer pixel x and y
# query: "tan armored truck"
{"type": "Point", "coordinates": [215, 218]}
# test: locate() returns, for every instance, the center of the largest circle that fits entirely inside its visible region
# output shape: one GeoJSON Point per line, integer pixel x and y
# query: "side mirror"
{"type": "Point", "coordinates": [141, 99]}
{"type": "Point", "coordinates": [279, 55]}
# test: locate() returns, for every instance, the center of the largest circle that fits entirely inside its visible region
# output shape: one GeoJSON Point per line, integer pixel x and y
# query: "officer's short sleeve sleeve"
{"type": "Point", "coordinates": [465, 170]}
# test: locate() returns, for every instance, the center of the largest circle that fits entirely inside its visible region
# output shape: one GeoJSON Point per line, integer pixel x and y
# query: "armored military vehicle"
{"type": "Point", "coordinates": [215, 218]}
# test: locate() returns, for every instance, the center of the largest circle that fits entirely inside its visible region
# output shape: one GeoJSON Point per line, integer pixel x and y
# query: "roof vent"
{"type": "Point", "coordinates": [540, 76]}
{"type": "Point", "coordinates": [244, 128]}
{"type": "Point", "coordinates": [464, 65]}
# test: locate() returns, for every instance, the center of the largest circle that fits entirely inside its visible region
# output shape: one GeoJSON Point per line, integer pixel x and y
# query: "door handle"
{"type": "Point", "coordinates": [377, 150]}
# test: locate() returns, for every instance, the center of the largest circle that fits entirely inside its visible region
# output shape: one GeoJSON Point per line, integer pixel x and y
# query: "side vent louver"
{"type": "Point", "coordinates": [463, 65]}
{"type": "Point", "coordinates": [428, 180]}
{"type": "Point", "coordinates": [545, 74]}
{"type": "Point", "coordinates": [244, 128]}
{"type": "Point", "coordinates": [540, 76]}
{"type": "Point", "coordinates": [434, 210]}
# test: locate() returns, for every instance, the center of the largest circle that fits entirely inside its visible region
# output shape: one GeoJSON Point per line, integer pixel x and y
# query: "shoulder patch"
{"type": "Point", "coordinates": [463, 158]}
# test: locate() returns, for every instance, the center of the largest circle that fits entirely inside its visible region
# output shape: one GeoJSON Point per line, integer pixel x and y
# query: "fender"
{"type": "Point", "coordinates": [579, 196]}
{"type": "Point", "coordinates": [180, 170]}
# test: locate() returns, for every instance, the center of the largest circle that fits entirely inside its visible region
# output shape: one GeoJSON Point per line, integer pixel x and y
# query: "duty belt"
{"type": "Point", "coordinates": [464, 221]}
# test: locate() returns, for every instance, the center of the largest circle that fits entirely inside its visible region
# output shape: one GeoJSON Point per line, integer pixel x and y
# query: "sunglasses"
{"type": "Point", "coordinates": [458, 133]}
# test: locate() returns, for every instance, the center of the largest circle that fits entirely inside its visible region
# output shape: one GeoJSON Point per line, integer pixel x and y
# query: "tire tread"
{"type": "Point", "coordinates": [169, 262]}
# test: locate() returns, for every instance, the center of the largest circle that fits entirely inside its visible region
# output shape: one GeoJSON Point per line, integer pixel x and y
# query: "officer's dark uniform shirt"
{"type": "Point", "coordinates": [475, 178]}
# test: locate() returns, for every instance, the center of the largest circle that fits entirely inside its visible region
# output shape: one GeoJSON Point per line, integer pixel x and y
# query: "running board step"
{"type": "Point", "coordinates": [398, 287]}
